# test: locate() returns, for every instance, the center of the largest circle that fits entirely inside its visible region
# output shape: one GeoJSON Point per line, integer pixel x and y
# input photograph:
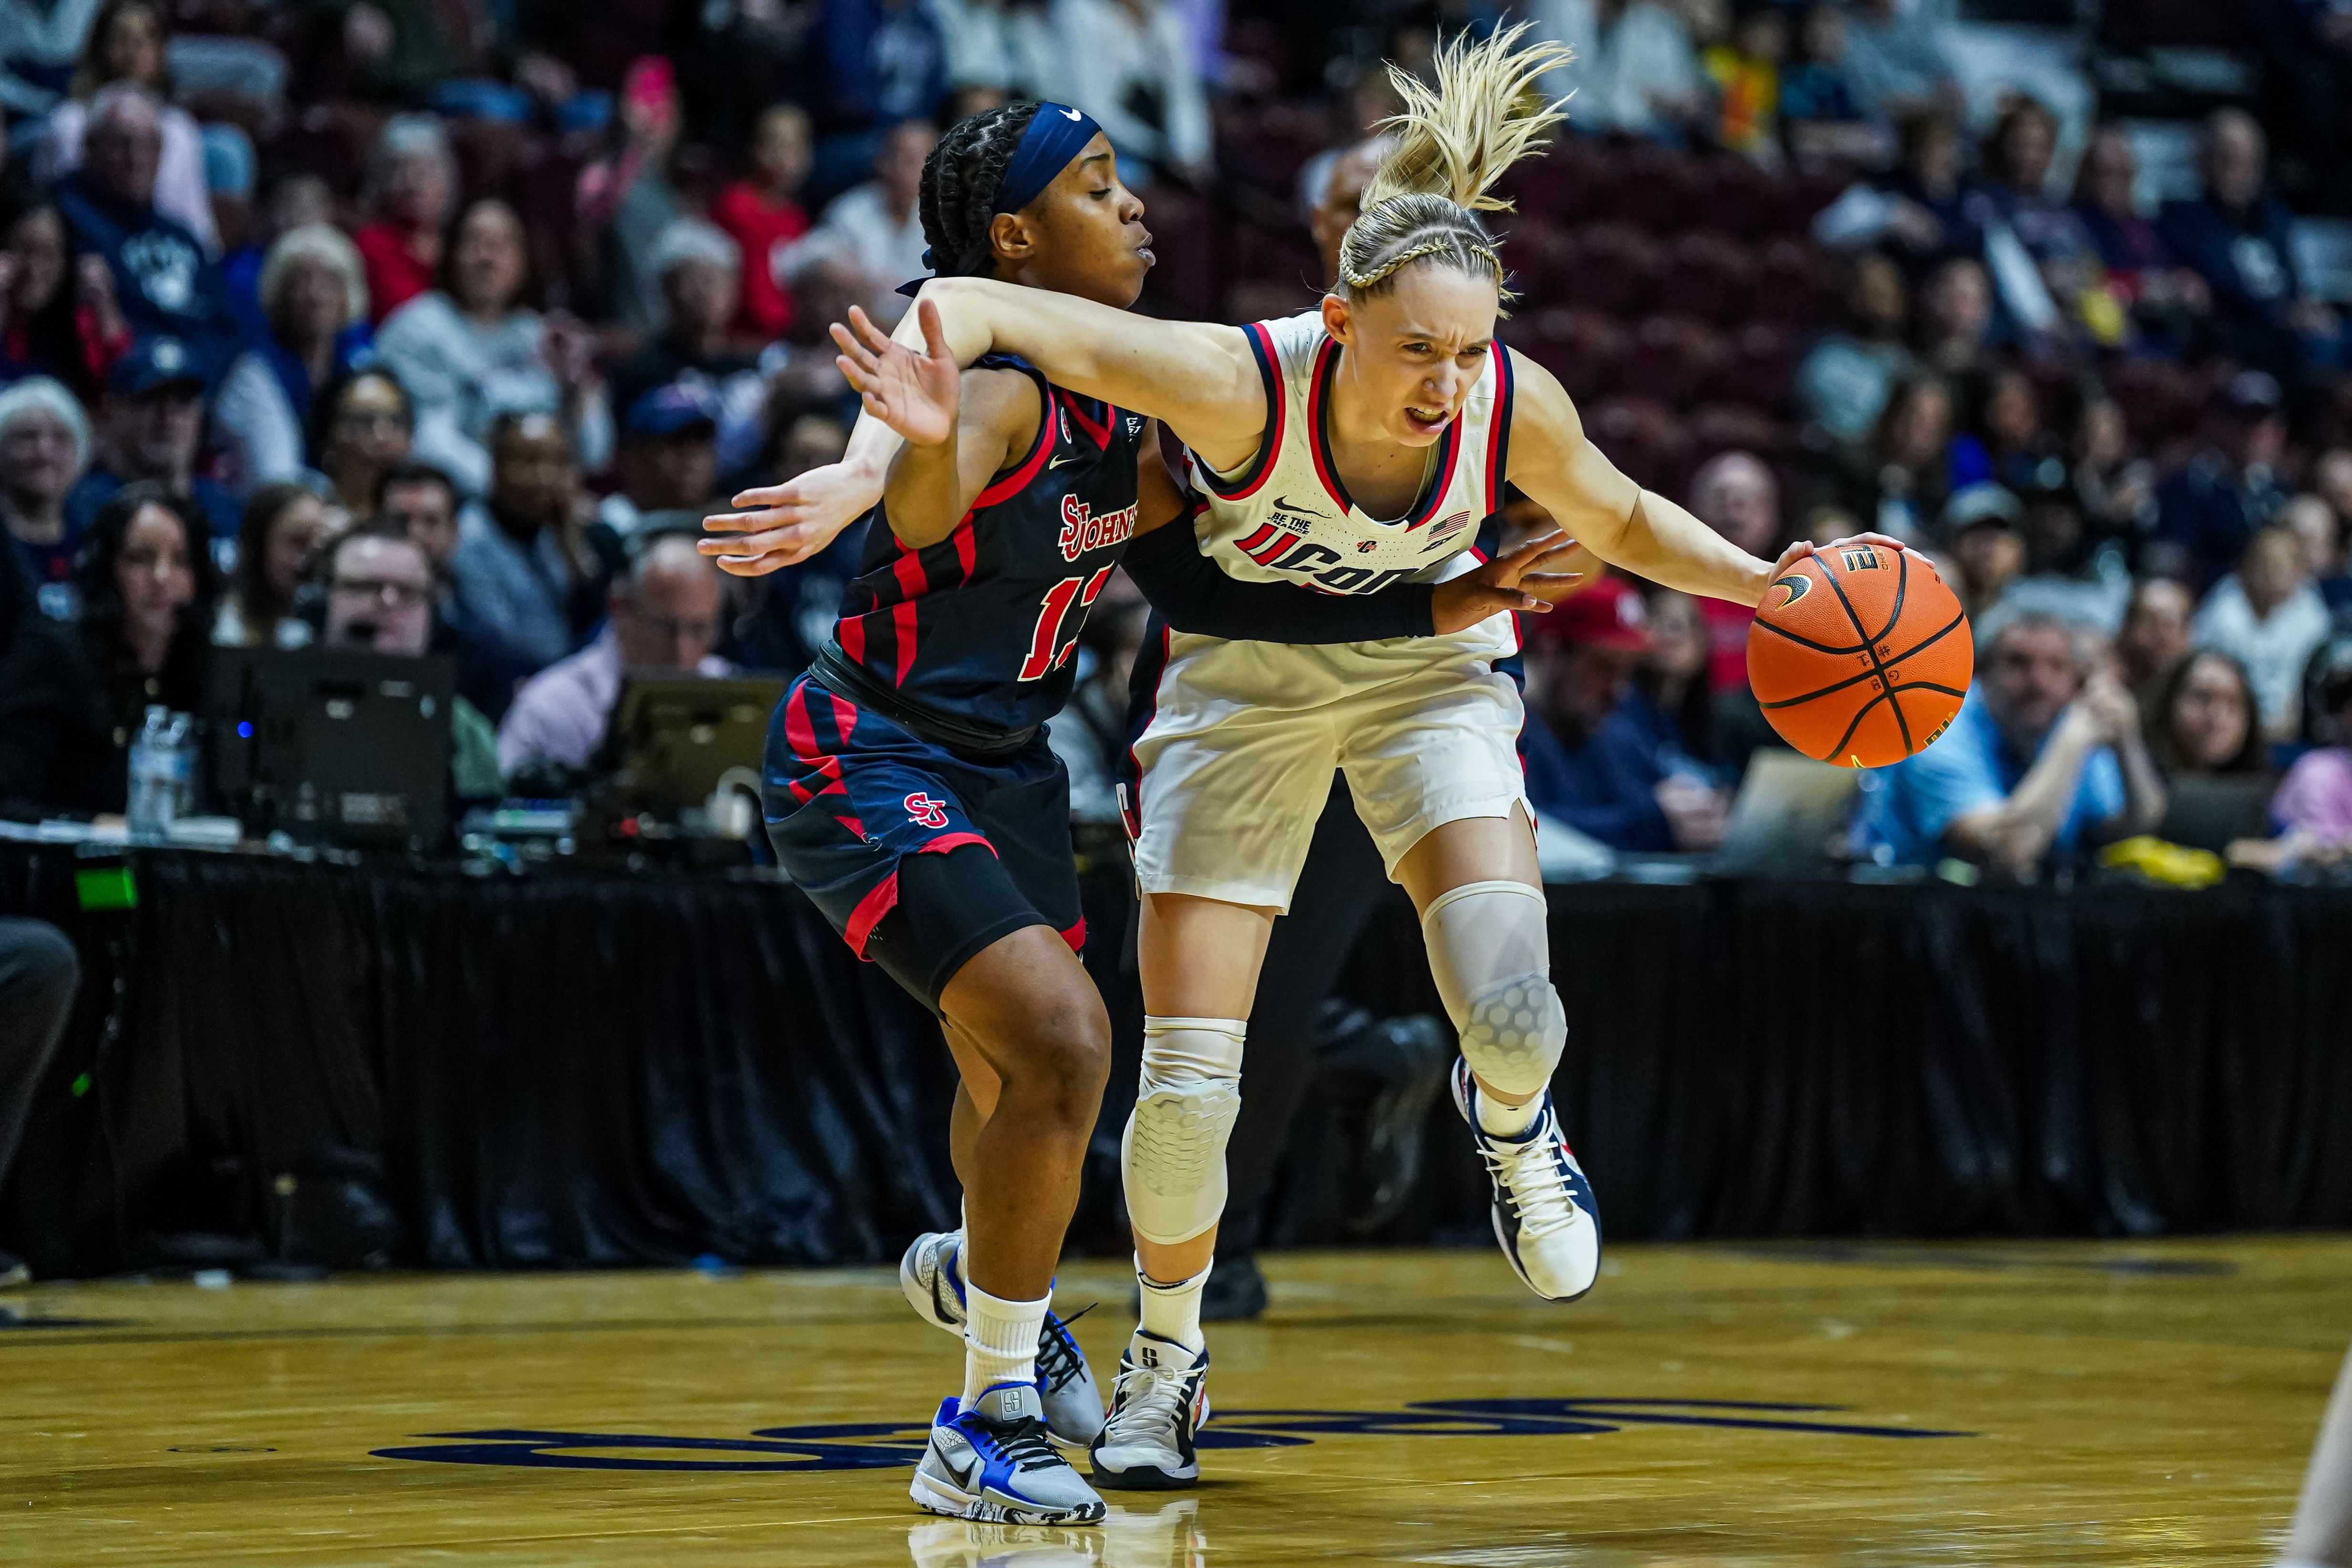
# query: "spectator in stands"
{"type": "Point", "coordinates": [2203, 721]}
{"type": "Point", "coordinates": [313, 295]}
{"type": "Point", "coordinates": [150, 428]}
{"type": "Point", "coordinates": [696, 264]}
{"type": "Point", "coordinates": [2068, 573]}
{"type": "Point", "coordinates": [2114, 487]}
{"type": "Point", "coordinates": [298, 201]}
{"type": "Point", "coordinates": [71, 698]}
{"type": "Point", "coordinates": [231, 166]}
{"type": "Point", "coordinates": [1895, 63]}
{"type": "Point", "coordinates": [393, 51]}
{"type": "Point", "coordinates": [2010, 203]}
{"type": "Point", "coordinates": [1919, 211]}
{"type": "Point", "coordinates": [1818, 111]}
{"type": "Point", "coordinates": [884, 61]}
{"type": "Point", "coordinates": [419, 503]}
{"type": "Point", "coordinates": [1987, 552]}
{"type": "Point", "coordinates": [2236, 237]}
{"type": "Point", "coordinates": [360, 428]}
{"type": "Point", "coordinates": [879, 219]}
{"type": "Point", "coordinates": [2313, 804]}
{"type": "Point", "coordinates": [38, 43]}
{"type": "Point", "coordinates": [2045, 757]}
{"type": "Point", "coordinates": [825, 277]}
{"type": "Point", "coordinates": [628, 201]}
{"type": "Point", "coordinates": [2319, 536]}
{"type": "Point", "coordinates": [761, 213]}
{"type": "Point", "coordinates": [1588, 764]}
{"type": "Point", "coordinates": [1896, 484]}
{"type": "Point", "coordinates": [163, 282]}
{"type": "Point", "coordinates": [473, 352]}
{"type": "Point", "coordinates": [1736, 495]}
{"type": "Point", "coordinates": [39, 978]}
{"type": "Point", "coordinates": [412, 185]}
{"type": "Point", "coordinates": [1340, 198]}
{"type": "Point", "coordinates": [1955, 325]}
{"type": "Point", "coordinates": [2209, 510]}
{"type": "Point", "coordinates": [2154, 636]}
{"type": "Point", "coordinates": [779, 621]}
{"type": "Point", "coordinates": [1139, 82]}
{"type": "Point", "coordinates": [128, 41]}
{"type": "Point", "coordinates": [1746, 74]}
{"type": "Point", "coordinates": [668, 459]}
{"type": "Point", "coordinates": [1844, 382]}
{"type": "Point", "coordinates": [2269, 618]}
{"type": "Point", "coordinates": [2331, 476]}
{"type": "Point", "coordinates": [2008, 446]}
{"type": "Point", "coordinates": [1636, 70]}
{"type": "Point", "coordinates": [44, 447]}
{"type": "Point", "coordinates": [284, 525]}
{"type": "Point", "coordinates": [1672, 701]}
{"type": "Point", "coordinates": [664, 614]}
{"type": "Point", "coordinates": [379, 592]}
{"type": "Point", "coordinates": [2141, 269]}
{"type": "Point", "coordinates": [527, 583]}
{"type": "Point", "coordinates": [57, 314]}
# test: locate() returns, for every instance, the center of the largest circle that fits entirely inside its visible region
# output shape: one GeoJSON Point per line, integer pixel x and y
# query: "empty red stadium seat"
{"type": "Point", "coordinates": [1641, 436]}
{"type": "Point", "coordinates": [1705, 277]}
{"type": "Point", "coordinates": [1789, 283]}
{"type": "Point", "coordinates": [1668, 359]}
{"type": "Point", "coordinates": [1755, 367]}
{"type": "Point", "coordinates": [1581, 347]}
{"type": "Point", "coordinates": [1614, 268]}
{"type": "Point", "coordinates": [1734, 196]}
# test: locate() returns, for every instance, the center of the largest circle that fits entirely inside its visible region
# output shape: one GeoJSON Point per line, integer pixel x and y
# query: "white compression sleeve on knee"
{"type": "Point", "coordinates": [1174, 1150]}
{"type": "Point", "coordinates": [1490, 950]}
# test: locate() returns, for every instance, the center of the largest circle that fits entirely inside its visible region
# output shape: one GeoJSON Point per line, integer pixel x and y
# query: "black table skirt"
{"type": "Point", "coordinates": [605, 1069]}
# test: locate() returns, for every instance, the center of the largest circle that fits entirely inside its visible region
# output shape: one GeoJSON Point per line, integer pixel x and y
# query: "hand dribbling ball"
{"type": "Point", "coordinates": [1859, 655]}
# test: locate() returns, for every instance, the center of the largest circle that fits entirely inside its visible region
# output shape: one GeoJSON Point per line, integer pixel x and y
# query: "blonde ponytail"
{"type": "Point", "coordinates": [1487, 113]}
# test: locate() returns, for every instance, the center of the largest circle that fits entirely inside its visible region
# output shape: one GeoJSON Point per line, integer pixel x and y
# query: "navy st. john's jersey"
{"type": "Point", "coordinates": [977, 634]}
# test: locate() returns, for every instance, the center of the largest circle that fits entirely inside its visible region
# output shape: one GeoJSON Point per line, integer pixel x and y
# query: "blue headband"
{"type": "Point", "coordinates": [1057, 134]}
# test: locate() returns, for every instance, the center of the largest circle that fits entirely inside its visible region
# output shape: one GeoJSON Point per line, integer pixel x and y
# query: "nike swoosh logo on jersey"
{"type": "Point", "coordinates": [1057, 462]}
{"type": "Point", "coordinates": [1074, 114]}
{"type": "Point", "coordinates": [1284, 504]}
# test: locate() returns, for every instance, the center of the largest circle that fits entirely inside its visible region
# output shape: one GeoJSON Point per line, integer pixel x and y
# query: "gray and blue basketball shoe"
{"type": "Point", "coordinates": [995, 1462]}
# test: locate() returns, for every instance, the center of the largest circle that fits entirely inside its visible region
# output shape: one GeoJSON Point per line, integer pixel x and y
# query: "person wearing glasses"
{"type": "Point", "coordinates": [379, 592]}
{"type": "Point", "coordinates": [663, 613]}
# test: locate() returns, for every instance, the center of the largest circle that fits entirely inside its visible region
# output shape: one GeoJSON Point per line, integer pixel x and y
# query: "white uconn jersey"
{"type": "Point", "coordinates": [1287, 517]}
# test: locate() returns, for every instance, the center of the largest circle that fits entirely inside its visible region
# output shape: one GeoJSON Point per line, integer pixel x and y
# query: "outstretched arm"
{"type": "Point", "coordinates": [1198, 379]}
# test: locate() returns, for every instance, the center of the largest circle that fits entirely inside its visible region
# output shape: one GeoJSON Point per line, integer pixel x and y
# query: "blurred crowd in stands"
{"type": "Point", "coordinates": [434, 325]}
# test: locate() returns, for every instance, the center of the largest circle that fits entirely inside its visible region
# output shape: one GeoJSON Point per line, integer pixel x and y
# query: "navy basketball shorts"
{"type": "Point", "coordinates": [919, 856]}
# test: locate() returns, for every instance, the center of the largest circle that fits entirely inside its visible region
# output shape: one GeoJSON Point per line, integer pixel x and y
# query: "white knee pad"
{"type": "Point", "coordinates": [1174, 1148]}
{"type": "Point", "coordinates": [1490, 950]}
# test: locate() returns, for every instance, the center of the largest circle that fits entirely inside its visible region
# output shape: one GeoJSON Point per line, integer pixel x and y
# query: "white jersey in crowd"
{"type": "Point", "coordinates": [1239, 739]}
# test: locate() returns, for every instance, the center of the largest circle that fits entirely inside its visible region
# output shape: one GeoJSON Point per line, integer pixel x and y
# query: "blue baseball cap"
{"type": "Point", "coordinates": [669, 410]}
{"type": "Point", "coordinates": [151, 363]}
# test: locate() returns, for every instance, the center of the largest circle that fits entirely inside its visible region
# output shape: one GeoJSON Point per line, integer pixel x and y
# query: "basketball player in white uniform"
{"type": "Point", "coordinates": [1350, 450]}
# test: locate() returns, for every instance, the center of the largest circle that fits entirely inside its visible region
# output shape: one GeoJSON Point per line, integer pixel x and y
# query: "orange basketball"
{"type": "Point", "coordinates": [1859, 655]}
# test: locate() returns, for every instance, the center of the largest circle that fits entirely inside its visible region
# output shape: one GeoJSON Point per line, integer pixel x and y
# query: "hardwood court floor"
{"type": "Point", "coordinates": [2140, 1405]}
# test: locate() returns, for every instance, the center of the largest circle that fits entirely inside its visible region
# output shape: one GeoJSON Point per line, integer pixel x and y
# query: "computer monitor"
{"type": "Point", "coordinates": [1788, 811]}
{"type": "Point", "coordinates": [674, 734]}
{"type": "Point", "coordinates": [338, 747]}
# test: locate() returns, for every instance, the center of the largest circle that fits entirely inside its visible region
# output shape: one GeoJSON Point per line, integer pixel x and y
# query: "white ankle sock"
{"type": "Point", "coordinates": [1000, 1340]}
{"type": "Point", "coordinates": [1173, 1311]}
{"type": "Point", "coordinates": [1499, 1120]}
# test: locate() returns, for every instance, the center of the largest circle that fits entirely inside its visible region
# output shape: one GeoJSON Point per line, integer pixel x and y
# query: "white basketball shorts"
{"type": "Point", "coordinates": [1239, 751]}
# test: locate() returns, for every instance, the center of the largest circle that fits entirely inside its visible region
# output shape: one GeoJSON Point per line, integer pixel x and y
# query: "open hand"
{"type": "Point", "coordinates": [914, 394]}
{"type": "Point", "coordinates": [1525, 579]}
{"type": "Point", "coordinates": [793, 520]}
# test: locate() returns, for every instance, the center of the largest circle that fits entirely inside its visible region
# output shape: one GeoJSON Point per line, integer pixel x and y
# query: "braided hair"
{"type": "Point", "coordinates": [961, 180]}
{"type": "Point", "coordinates": [1487, 113]}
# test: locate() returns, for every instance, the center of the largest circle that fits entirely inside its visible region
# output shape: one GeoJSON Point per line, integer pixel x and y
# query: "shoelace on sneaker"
{"type": "Point", "coordinates": [1026, 1444]}
{"type": "Point", "coordinates": [1059, 1362]}
{"type": "Point", "coordinates": [1531, 1179]}
{"type": "Point", "coordinates": [1146, 1401]}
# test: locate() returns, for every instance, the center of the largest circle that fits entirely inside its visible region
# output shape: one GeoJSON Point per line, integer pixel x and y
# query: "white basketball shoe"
{"type": "Point", "coordinates": [1545, 1218]}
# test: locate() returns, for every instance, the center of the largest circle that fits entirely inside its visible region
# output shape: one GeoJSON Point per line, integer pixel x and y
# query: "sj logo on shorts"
{"type": "Point", "coordinates": [925, 812]}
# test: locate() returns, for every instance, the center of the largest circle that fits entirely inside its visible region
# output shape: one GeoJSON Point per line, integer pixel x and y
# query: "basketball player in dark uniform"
{"type": "Point", "coordinates": [911, 793]}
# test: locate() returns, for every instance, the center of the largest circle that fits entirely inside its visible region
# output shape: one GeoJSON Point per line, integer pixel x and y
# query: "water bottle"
{"type": "Point", "coordinates": [163, 774]}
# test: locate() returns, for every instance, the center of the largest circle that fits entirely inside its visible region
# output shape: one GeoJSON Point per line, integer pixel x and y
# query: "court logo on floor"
{"type": "Point", "coordinates": [868, 1446]}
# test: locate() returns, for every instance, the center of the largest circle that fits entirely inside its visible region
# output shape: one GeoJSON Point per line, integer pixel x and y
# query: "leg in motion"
{"type": "Point", "coordinates": [1200, 959]}
{"type": "Point", "coordinates": [1483, 916]}
{"type": "Point", "coordinates": [38, 977]}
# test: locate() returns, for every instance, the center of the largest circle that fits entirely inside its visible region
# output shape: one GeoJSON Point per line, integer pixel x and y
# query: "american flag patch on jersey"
{"type": "Point", "coordinates": [1446, 531]}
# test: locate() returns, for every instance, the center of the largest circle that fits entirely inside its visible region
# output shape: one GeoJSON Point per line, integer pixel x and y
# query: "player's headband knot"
{"type": "Point", "coordinates": [1057, 134]}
